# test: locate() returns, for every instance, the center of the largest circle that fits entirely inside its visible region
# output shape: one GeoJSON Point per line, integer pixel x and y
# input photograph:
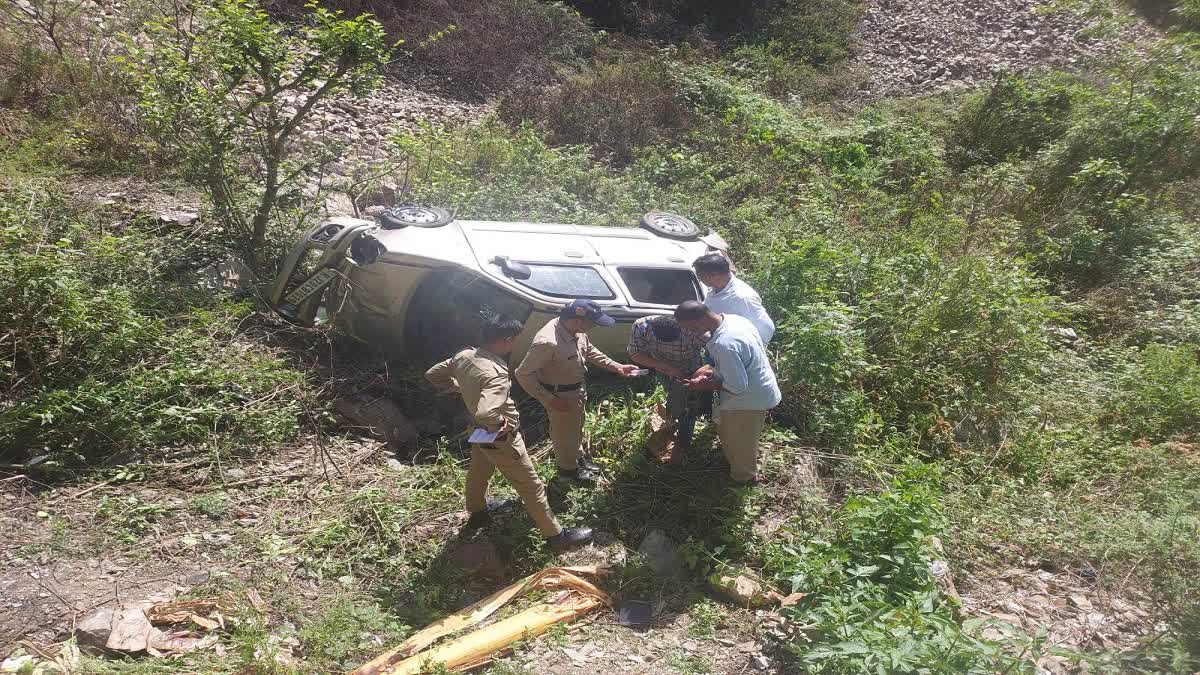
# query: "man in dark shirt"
{"type": "Point", "coordinates": [659, 342]}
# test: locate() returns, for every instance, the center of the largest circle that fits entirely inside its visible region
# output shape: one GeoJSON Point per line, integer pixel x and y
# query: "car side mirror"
{"type": "Point", "coordinates": [514, 270]}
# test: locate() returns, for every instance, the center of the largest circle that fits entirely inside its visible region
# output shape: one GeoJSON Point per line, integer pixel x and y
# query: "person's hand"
{"type": "Point", "coordinates": [502, 432]}
{"type": "Point", "coordinates": [560, 404]}
{"type": "Point", "coordinates": [705, 371]}
{"type": "Point", "coordinates": [703, 380]}
{"type": "Point", "coordinates": [627, 370]}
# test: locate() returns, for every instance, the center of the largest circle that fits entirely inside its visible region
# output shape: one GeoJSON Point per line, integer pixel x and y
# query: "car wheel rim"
{"type": "Point", "coordinates": [414, 215]}
{"type": "Point", "coordinates": [672, 224]}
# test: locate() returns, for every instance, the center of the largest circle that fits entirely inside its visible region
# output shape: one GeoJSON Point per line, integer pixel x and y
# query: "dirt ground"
{"type": "Point", "coordinates": [117, 542]}
{"type": "Point", "coordinates": [191, 525]}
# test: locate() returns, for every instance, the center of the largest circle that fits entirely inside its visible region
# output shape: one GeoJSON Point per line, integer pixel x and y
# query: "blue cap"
{"type": "Point", "coordinates": [586, 309]}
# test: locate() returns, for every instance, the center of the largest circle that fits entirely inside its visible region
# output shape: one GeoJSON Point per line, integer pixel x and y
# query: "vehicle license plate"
{"type": "Point", "coordinates": [314, 283]}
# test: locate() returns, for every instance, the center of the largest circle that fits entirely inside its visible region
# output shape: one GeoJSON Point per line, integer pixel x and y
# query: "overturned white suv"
{"type": "Point", "coordinates": [421, 282]}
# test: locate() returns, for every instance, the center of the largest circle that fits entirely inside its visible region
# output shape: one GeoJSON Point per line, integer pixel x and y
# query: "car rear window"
{"type": "Point", "coordinates": [659, 286]}
{"type": "Point", "coordinates": [567, 281]}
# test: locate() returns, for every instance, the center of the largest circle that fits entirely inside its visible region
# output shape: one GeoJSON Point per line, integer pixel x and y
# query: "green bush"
{"type": "Point", "coordinates": [1014, 119]}
{"type": "Point", "coordinates": [820, 363]}
{"type": "Point", "coordinates": [902, 334]}
{"type": "Point", "coordinates": [953, 340]}
{"type": "Point", "coordinates": [777, 73]}
{"type": "Point", "coordinates": [873, 604]}
{"type": "Point", "coordinates": [112, 351]}
{"type": "Point", "coordinates": [1188, 13]}
{"type": "Point", "coordinates": [191, 75]}
{"type": "Point", "coordinates": [1160, 397]}
{"type": "Point", "coordinates": [809, 32]}
{"type": "Point", "coordinates": [492, 172]}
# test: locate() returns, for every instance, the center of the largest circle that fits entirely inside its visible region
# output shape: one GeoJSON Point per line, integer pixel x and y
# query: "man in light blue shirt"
{"type": "Point", "coordinates": [729, 295]}
{"type": "Point", "coordinates": [742, 374]}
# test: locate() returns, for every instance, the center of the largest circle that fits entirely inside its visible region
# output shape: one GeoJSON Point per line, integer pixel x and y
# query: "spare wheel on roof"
{"type": "Point", "coordinates": [410, 215]}
{"type": "Point", "coordinates": [670, 225]}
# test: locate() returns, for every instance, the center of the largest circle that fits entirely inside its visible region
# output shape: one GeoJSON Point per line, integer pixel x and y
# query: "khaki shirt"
{"type": "Point", "coordinates": [482, 379]}
{"type": "Point", "coordinates": [558, 357]}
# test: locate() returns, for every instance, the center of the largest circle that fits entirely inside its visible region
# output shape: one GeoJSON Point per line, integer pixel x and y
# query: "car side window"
{"type": "Point", "coordinates": [659, 286]}
{"type": "Point", "coordinates": [567, 281]}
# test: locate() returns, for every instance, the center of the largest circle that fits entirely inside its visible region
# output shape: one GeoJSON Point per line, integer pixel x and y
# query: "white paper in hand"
{"type": "Point", "coordinates": [483, 436]}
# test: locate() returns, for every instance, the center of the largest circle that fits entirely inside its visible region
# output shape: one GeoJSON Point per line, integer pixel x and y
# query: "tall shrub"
{"type": "Point", "coordinates": [227, 89]}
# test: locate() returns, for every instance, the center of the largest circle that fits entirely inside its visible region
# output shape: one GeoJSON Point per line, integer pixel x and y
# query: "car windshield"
{"type": "Point", "coordinates": [567, 281]}
{"type": "Point", "coordinates": [659, 286]}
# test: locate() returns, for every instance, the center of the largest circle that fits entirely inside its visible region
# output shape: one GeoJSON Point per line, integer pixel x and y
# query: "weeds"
{"type": "Point", "coordinates": [102, 362]}
{"type": "Point", "coordinates": [874, 604]}
{"type": "Point", "coordinates": [706, 616]}
{"type": "Point", "coordinates": [347, 631]}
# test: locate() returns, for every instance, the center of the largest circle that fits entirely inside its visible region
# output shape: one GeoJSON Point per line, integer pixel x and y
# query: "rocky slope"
{"type": "Point", "coordinates": [918, 46]}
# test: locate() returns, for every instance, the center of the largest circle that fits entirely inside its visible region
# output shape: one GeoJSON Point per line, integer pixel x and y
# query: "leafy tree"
{"type": "Point", "coordinates": [227, 88]}
{"type": "Point", "coordinates": [51, 18]}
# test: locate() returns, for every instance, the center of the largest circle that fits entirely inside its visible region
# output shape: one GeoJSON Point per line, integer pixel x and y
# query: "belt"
{"type": "Point", "coordinates": [561, 387]}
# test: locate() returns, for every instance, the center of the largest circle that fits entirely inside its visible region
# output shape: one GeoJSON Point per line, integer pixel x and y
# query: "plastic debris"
{"type": "Point", "coordinates": [634, 613]}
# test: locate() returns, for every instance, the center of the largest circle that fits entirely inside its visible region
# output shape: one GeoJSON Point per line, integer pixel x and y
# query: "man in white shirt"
{"type": "Point", "coordinates": [729, 295]}
{"type": "Point", "coordinates": [742, 374]}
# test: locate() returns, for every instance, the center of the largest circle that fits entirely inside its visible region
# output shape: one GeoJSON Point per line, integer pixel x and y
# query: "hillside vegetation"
{"type": "Point", "coordinates": [988, 305]}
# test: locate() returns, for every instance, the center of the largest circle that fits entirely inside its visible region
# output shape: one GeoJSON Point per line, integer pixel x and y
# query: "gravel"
{"type": "Point", "coordinates": [919, 47]}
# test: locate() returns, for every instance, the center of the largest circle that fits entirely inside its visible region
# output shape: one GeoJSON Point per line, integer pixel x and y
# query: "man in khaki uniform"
{"type": "Point", "coordinates": [481, 376]}
{"type": "Point", "coordinates": [553, 372]}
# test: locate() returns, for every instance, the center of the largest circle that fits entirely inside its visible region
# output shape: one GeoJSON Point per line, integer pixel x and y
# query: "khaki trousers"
{"type": "Point", "coordinates": [510, 458]}
{"type": "Point", "coordinates": [739, 431]}
{"type": "Point", "coordinates": [566, 429]}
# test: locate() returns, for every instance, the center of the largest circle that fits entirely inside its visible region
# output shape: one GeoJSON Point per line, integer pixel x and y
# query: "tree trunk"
{"type": "Point", "coordinates": [263, 214]}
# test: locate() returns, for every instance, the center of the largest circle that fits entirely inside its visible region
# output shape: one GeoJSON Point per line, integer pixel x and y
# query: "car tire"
{"type": "Point", "coordinates": [670, 225]}
{"type": "Point", "coordinates": [411, 215]}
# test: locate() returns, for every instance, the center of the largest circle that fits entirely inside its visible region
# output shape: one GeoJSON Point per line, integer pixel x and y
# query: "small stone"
{"type": "Point", "coordinates": [95, 628]}
{"type": "Point", "coordinates": [748, 647]}
{"type": "Point", "coordinates": [1009, 619]}
{"type": "Point", "coordinates": [1080, 601]}
{"type": "Point", "coordinates": [17, 664]}
{"type": "Point", "coordinates": [662, 554]}
{"type": "Point", "coordinates": [196, 578]}
{"type": "Point", "coordinates": [760, 662]}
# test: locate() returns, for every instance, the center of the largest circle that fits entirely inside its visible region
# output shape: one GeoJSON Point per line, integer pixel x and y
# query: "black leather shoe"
{"type": "Point", "coordinates": [483, 518]}
{"type": "Point", "coordinates": [569, 538]}
{"type": "Point", "coordinates": [580, 475]}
